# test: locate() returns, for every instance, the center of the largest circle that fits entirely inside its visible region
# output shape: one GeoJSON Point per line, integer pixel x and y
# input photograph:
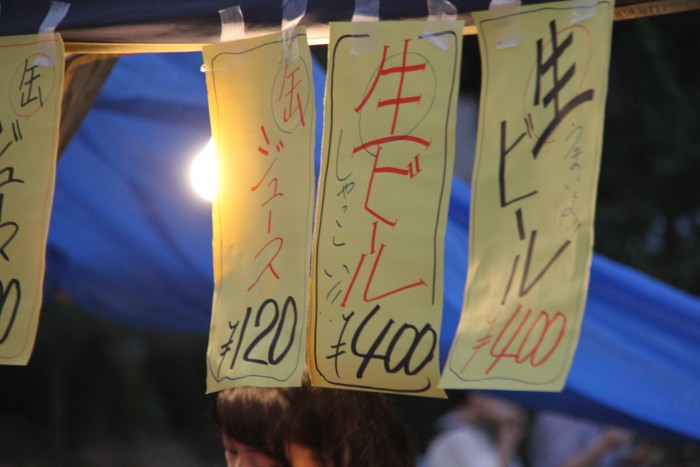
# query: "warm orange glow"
{"type": "Point", "coordinates": [203, 172]}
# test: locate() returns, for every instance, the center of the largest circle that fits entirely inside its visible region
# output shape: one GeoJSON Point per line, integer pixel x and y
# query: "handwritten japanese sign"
{"type": "Point", "coordinates": [388, 152]}
{"type": "Point", "coordinates": [262, 113]}
{"type": "Point", "coordinates": [32, 82]}
{"type": "Point", "coordinates": [533, 199]}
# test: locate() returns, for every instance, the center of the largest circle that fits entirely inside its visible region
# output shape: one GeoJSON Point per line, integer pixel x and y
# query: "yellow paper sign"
{"type": "Point", "coordinates": [544, 85]}
{"type": "Point", "coordinates": [262, 112]}
{"type": "Point", "coordinates": [388, 152]}
{"type": "Point", "coordinates": [32, 84]}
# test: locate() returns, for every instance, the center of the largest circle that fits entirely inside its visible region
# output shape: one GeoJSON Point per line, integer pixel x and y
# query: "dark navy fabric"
{"type": "Point", "coordinates": [25, 16]}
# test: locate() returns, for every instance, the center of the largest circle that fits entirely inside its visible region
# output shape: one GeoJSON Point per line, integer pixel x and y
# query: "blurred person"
{"type": "Point", "coordinates": [310, 427]}
{"type": "Point", "coordinates": [482, 431]}
{"type": "Point", "coordinates": [559, 440]}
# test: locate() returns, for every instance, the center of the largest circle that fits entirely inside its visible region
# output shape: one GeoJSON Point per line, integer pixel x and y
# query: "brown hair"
{"type": "Point", "coordinates": [349, 428]}
{"type": "Point", "coordinates": [343, 428]}
{"type": "Point", "coordinates": [255, 417]}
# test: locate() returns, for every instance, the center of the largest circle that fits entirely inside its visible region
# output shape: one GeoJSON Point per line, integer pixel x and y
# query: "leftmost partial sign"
{"type": "Point", "coordinates": [31, 81]}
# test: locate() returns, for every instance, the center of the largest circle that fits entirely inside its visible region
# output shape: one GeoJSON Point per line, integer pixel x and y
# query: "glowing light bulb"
{"type": "Point", "coordinates": [203, 172]}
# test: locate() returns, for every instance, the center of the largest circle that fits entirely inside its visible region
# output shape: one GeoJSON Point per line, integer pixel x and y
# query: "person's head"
{"type": "Point", "coordinates": [483, 408]}
{"type": "Point", "coordinates": [310, 426]}
{"type": "Point", "coordinates": [347, 428]}
{"type": "Point", "coordinates": [253, 425]}
{"type": "Point", "coordinates": [495, 409]}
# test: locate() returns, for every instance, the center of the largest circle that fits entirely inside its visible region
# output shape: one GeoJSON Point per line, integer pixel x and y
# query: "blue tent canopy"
{"type": "Point", "coordinates": [131, 242]}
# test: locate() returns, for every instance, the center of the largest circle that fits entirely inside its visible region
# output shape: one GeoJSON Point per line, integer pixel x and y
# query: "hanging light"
{"type": "Point", "coordinates": [203, 172]}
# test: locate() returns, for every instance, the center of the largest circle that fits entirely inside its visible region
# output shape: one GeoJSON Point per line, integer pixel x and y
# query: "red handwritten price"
{"type": "Point", "coordinates": [523, 339]}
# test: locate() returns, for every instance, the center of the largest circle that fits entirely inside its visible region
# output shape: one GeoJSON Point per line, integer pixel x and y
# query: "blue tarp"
{"type": "Point", "coordinates": [131, 242]}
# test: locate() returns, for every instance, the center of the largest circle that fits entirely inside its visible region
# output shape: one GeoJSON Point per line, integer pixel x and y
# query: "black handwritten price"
{"type": "Point", "coordinates": [396, 356]}
{"type": "Point", "coordinates": [268, 337]}
{"type": "Point", "coordinates": [10, 298]}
